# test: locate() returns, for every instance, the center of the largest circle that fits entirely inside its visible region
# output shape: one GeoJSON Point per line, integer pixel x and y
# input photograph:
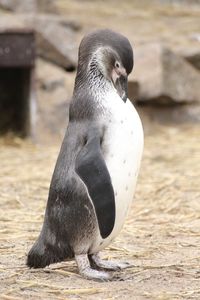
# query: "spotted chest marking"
{"type": "Point", "coordinates": [123, 146]}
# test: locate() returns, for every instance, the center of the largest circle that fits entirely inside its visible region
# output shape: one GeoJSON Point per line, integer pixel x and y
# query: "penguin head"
{"type": "Point", "coordinates": [108, 54]}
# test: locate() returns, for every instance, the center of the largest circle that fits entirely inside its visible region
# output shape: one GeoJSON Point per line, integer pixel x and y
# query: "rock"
{"type": "Point", "coordinates": [192, 56]}
{"type": "Point", "coordinates": [170, 115]}
{"type": "Point", "coordinates": [10, 21]}
{"type": "Point", "coordinates": [194, 59]}
{"type": "Point", "coordinates": [32, 18]}
{"type": "Point", "coordinates": [54, 89]}
{"type": "Point", "coordinates": [133, 90]}
{"type": "Point", "coordinates": [55, 42]}
{"type": "Point", "coordinates": [17, 5]}
{"type": "Point", "coordinates": [52, 85]}
{"type": "Point", "coordinates": [46, 6]}
{"type": "Point", "coordinates": [164, 77]}
{"type": "Point", "coordinates": [28, 5]}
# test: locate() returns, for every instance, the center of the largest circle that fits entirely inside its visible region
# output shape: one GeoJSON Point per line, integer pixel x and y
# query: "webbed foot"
{"type": "Point", "coordinates": [98, 263]}
{"type": "Point", "coordinates": [86, 271]}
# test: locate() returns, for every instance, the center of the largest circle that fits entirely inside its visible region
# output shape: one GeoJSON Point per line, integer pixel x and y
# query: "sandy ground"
{"type": "Point", "coordinates": [161, 236]}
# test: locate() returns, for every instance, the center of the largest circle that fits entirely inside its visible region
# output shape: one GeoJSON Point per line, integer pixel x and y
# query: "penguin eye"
{"type": "Point", "coordinates": [117, 64]}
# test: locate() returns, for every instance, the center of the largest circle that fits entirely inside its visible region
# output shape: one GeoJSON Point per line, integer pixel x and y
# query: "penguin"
{"type": "Point", "coordinates": [94, 179]}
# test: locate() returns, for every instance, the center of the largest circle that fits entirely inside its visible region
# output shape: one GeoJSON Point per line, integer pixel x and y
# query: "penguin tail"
{"type": "Point", "coordinates": [41, 255]}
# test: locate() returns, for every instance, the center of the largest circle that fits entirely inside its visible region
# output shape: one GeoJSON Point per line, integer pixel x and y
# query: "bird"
{"type": "Point", "coordinates": [95, 175]}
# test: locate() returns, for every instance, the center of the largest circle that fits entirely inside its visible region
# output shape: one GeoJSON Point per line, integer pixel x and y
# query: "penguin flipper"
{"type": "Point", "coordinates": [91, 168]}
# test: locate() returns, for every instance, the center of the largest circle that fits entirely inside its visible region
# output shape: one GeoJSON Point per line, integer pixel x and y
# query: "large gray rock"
{"type": "Point", "coordinates": [55, 42]}
{"type": "Point", "coordinates": [164, 77]}
{"type": "Point", "coordinates": [54, 89]}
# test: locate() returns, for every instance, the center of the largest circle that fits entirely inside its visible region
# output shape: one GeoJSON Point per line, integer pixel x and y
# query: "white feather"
{"type": "Point", "coordinates": [123, 147]}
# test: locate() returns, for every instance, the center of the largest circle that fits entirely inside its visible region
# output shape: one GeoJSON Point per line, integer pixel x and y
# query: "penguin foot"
{"type": "Point", "coordinates": [98, 263]}
{"type": "Point", "coordinates": [86, 271]}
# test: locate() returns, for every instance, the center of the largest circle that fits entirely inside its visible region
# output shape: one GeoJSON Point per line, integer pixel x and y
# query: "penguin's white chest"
{"type": "Point", "coordinates": [123, 146]}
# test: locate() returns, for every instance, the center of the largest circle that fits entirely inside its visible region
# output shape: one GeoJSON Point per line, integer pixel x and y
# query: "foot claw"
{"type": "Point", "coordinates": [107, 265]}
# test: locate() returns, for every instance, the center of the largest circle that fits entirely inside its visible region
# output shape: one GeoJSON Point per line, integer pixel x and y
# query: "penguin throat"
{"type": "Point", "coordinates": [93, 81]}
{"type": "Point", "coordinates": [96, 78]}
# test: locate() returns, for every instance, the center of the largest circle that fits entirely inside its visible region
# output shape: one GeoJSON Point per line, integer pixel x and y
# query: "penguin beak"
{"type": "Point", "coordinates": [120, 81]}
{"type": "Point", "coordinates": [121, 86]}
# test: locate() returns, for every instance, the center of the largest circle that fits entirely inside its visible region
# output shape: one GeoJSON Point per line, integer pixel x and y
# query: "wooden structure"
{"type": "Point", "coordinates": [17, 56]}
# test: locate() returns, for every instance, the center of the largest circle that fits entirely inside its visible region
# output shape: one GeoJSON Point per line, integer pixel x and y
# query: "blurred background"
{"type": "Point", "coordinates": [42, 37]}
{"type": "Point", "coordinates": [39, 42]}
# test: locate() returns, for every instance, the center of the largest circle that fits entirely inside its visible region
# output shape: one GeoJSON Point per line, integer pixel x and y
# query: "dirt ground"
{"type": "Point", "coordinates": [161, 236]}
